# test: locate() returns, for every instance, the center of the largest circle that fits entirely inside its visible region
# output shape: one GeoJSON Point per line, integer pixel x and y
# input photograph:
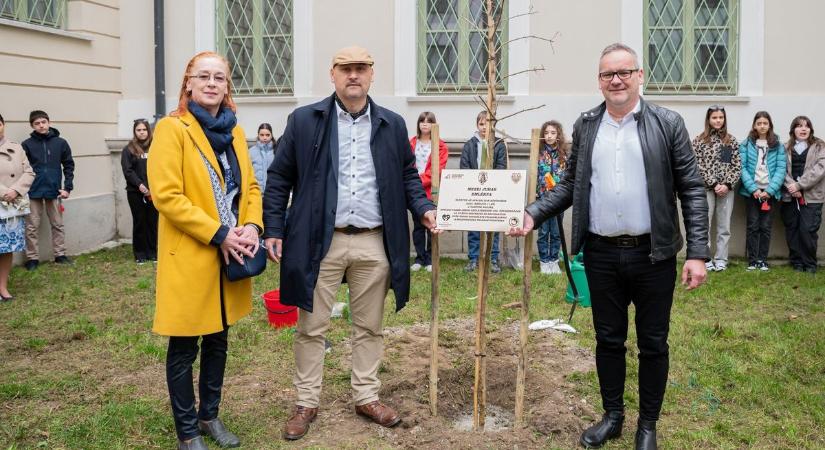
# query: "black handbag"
{"type": "Point", "coordinates": [251, 267]}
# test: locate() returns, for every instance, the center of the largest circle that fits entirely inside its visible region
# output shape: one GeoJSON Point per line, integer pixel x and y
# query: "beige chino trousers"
{"type": "Point", "coordinates": [49, 207]}
{"type": "Point", "coordinates": [362, 258]}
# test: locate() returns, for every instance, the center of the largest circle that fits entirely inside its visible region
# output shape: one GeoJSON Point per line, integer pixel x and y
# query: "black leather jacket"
{"type": "Point", "coordinates": [671, 170]}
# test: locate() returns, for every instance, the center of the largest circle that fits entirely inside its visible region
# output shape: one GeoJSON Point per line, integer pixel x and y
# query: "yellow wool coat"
{"type": "Point", "coordinates": [189, 275]}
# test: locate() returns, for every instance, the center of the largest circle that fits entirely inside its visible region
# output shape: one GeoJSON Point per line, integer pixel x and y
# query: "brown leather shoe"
{"type": "Point", "coordinates": [379, 413]}
{"type": "Point", "coordinates": [298, 425]}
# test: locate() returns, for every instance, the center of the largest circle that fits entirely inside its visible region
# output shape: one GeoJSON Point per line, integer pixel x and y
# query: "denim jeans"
{"type": "Point", "coordinates": [549, 240]}
{"type": "Point", "coordinates": [617, 277]}
{"type": "Point", "coordinates": [421, 241]}
{"type": "Point", "coordinates": [473, 242]}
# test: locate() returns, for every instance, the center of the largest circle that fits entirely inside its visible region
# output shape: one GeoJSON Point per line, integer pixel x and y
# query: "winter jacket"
{"type": "Point", "coordinates": [47, 153]}
{"type": "Point", "coordinates": [15, 171]}
{"type": "Point", "coordinates": [134, 170]}
{"type": "Point", "coordinates": [812, 181]}
{"type": "Point", "coordinates": [776, 168]}
{"type": "Point", "coordinates": [718, 163]}
{"type": "Point", "coordinates": [262, 156]}
{"type": "Point", "coordinates": [671, 171]}
{"type": "Point", "coordinates": [469, 154]}
{"type": "Point", "coordinates": [427, 175]}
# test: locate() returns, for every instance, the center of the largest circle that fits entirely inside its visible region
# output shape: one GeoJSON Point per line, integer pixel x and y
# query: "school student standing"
{"type": "Point", "coordinates": [144, 215]}
{"type": "Point", "coordinates": [717, 155]}
{"type": "Point", "coordinates": [262, 153]}
{"type": "Point", "coordinates": [763, 172]}
{"type": "Point", "coordinates": [803, 194]}
{"type": "Point", "coordinates": [551, 166]}
{"type": "Point", "coordinates": [421, 145]}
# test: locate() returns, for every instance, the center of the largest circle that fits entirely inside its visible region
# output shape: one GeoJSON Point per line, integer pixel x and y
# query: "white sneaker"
{"type": "Point", "coordinates": [544, 267]}
{"type": "Point", "coordinates": [721, 265]}
{"type": "Point", "coordinates": [554, 268]}
{"type": "Point", "coordinates": [709, 266]}
{"type": "Point", "coordinates": [415, 267]}
{"type": "Point", "coordinates": [428, 267]}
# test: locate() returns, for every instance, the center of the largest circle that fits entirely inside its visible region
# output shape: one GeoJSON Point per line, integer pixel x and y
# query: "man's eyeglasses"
{"type": "Point", "coordinates": [623, 74]}
{"type": "Point", "coordinates": [204, 77]}
{"type": "Point", "coordinates": [715, 108]}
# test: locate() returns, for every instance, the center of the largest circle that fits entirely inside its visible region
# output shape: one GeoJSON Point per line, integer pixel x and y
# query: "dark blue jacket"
{"type": "Point", "coordinates": [47, 153]}
{"type": "Point", "coordinates": [303, 165]}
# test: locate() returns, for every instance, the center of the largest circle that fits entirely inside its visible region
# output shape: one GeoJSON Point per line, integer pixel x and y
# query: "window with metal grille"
{"type": "Point", "coordinates": [691, 46]}
{"type": "Point", "coordinates": [452, 46]}
{"type": "Point", "coordinates": [256, 37]}
{"type": "Point", "coordinates": [47, 13]}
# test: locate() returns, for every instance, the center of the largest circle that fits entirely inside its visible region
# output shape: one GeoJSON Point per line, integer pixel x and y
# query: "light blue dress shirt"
{"type": "Point", "coordinates": [619, 202]}
{"type": "Point", "coordinates": [358, 203]}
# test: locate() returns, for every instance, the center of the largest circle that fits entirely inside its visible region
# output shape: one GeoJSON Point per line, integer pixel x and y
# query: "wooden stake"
{"type": "Point", "coordinates": [521, 375]}
{"type": "Point", "coordinates": [435, 164]}
{"type": "Point", "coordinates": [480, 384]}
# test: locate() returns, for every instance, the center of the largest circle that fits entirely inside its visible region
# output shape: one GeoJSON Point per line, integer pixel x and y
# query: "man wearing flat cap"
{"type": "Point", "coordinates": [348, 164]}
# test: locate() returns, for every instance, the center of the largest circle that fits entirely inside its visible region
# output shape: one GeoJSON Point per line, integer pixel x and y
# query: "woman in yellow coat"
{"type": "Point", "coordinates": [204, 188]}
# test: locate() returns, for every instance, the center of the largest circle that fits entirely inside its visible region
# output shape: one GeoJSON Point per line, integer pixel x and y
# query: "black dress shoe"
{"type": "Point", "coordinates": [193, 444]}
{"type": "Point", "coordinates": [646, 435]}
{"type": "Point", "coordinates": [31, 264]}
{"type": "Point", "coordinates": [610, 427]}
{"type": "Point", "coordinates": [215, 429]}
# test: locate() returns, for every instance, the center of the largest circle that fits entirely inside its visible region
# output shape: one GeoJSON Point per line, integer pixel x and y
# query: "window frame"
{"type": "Point", "coordinates": [689, 85]}
{"type": "Point", "coordinates": [258, 35]}
{"type": "Point", "coordinates": [464, 86]}
{"type": "Point", "coordinates": [20, 13]}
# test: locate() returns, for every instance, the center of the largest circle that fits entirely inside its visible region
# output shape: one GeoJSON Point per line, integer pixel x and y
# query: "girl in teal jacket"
{"type": "Point", "coordinates": [763, 172]}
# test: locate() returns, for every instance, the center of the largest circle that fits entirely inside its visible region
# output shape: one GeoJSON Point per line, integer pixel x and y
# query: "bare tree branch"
{"type": "Point", "coordinates": [519, 112]}
{"type": "Point", "coordinates": [532, 69]}
{"type": "Point", "coordinates": [529, 12]}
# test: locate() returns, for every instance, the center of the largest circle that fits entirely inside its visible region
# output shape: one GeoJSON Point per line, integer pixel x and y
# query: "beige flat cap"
{"type": "Point", "coordinates": [352, 55]}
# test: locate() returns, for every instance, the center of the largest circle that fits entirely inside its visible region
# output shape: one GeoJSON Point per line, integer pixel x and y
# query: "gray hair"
{"type": "Point", "coordinates": [619, 47]}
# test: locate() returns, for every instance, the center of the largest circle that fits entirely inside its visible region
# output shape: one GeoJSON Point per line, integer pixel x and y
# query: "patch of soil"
{"type": "Point", "coordinates": [555, 414]}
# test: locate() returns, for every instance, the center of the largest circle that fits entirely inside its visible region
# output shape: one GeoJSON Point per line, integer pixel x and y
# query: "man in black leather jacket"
{"type": "Point", "coordinates": [629, 161]}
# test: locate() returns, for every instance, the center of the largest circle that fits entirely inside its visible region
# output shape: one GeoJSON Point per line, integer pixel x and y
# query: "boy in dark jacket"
{"type": "Point", "coordinates": [51, 158]}
{"type": "Point", "coordinates": [471, 159]}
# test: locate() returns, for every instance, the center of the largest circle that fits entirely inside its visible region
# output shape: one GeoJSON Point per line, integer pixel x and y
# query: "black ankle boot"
{"type": "Point", "coordinates": [646, 435]}
{"type": "Point", "coordinates": [610, 427]}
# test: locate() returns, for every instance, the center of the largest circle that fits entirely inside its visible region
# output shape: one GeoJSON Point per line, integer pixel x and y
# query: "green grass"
{"type": "Point", "coordinates": [80, 368]}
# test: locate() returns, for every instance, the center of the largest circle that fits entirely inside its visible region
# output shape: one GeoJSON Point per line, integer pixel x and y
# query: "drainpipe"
{"type": "Point", "coordinates": [160, 67]}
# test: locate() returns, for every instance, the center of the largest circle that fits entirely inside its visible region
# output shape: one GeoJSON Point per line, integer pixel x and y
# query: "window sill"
{"type": "Point", "coordinates": [48, 30]}
{"type": "Point", "coordinates": [701, 98]}
{"type": "Point", "coordinates": [469, 98]}
{"type": "Point", "coordinates": [257, 99]}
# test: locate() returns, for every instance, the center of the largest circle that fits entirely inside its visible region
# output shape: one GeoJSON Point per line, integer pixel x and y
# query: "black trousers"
{"type": "Point", "coordinates": [144, 226]}
{"type": "Point", "coordinates": [802, 232]}
{"type": "Point", "coordinates": [179, 358]}
{"type": "Point", "coordinates": [616, 277]}
{"type": "Point", "coordinates": [421, 241]}
{"type": "Point", "coordinates": [758, 238]}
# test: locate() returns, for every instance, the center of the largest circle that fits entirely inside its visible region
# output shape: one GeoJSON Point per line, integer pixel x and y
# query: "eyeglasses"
{"type": "Point", "coordinates": [716, 108]}
{"type": "Point", "coordinates": [205, 77]}
{"type": "Point", "coordinates": [623, 74]}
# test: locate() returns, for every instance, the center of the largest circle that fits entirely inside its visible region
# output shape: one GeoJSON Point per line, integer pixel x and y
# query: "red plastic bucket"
{"type": "Point", "coordinates": [279, 315]}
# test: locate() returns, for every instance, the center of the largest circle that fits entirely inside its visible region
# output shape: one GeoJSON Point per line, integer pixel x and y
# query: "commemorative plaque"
{"type": "Point", "coordinates": [481, 200]}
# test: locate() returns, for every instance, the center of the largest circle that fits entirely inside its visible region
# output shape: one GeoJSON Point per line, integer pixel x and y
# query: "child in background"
{"type": "Point", "coordinates": [471, 159]}
{"type": "Point", "coordinates": [551, 166]}
{"type": "Point", "coordinates": [262, 154]}
{"type": "Point", "coordinates": [421, 145]}
{"type": "Point", "coordinates": [763, 172]}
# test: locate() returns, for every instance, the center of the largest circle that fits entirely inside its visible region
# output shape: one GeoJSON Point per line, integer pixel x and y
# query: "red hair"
{"type": "Point", "coordinates": [185, 95]}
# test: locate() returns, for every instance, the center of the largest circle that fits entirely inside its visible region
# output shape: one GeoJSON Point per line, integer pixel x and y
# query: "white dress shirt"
{"type": "Point", "coordinates": [619, 203]}
{"type": "Point", "coordinates": [358, 203]}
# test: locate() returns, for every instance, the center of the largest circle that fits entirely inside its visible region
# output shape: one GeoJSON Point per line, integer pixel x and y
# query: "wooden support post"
{"type": "Point", "coordinates": [521, 375]}
{"type": "Point", "coordinates": [480, 383]}
{"type": "Point", "coordinates": [435, 158]}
